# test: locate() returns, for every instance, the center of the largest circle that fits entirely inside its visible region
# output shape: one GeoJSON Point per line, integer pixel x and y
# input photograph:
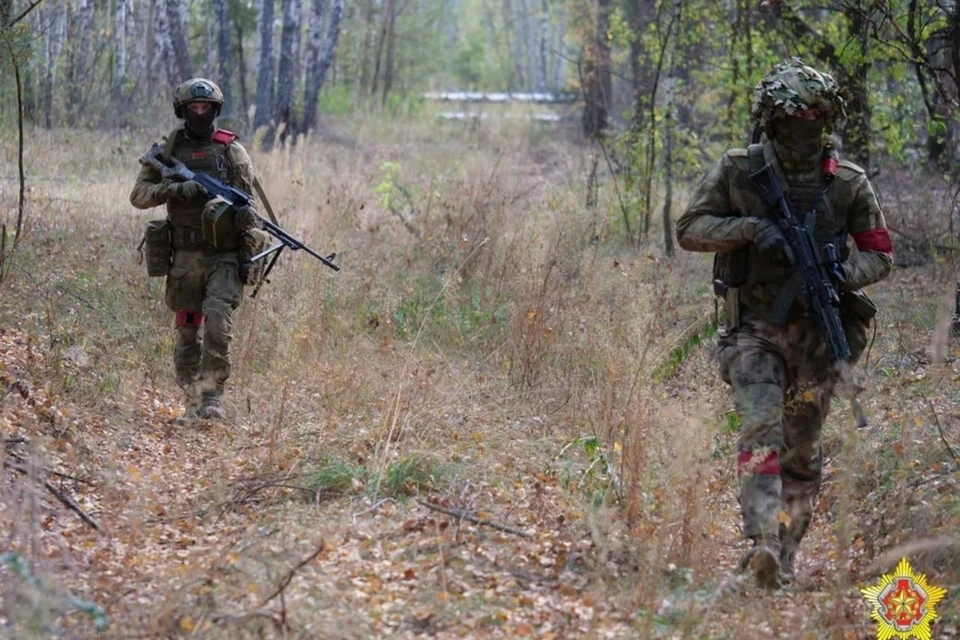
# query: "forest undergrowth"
{"type": "Point", "coordinates": [500, 419]}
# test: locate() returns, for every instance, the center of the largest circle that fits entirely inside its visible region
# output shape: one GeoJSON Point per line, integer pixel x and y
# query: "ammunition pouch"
{"type": "Point", "coordinates": [729, 274]}
{"type": "Point", "coordinates": [158, 245]}
{"type": "Point", "coordinates": [219, 225]}
{"type": "Point", "coordinates": [859, 305]}
{"type": "Point", "coordinates": [253, 242]}
{"type": "Point", "coordinates": [731, 267]}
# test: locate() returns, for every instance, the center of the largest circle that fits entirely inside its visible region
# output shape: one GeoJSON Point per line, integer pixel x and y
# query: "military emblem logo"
{"type": "Point", "coordinates": [903, 604]}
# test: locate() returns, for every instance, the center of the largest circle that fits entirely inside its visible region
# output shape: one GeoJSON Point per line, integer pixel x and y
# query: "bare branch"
{"type": "Point", "coordinates": [25, 13]}
{"type": "Point", "coordinates": [463, 515]}
{"type": "Point", "coordinates": [287, 579]}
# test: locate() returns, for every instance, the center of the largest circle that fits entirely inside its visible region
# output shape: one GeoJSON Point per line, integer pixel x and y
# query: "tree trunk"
{"type": "Point", "coordinates": [286, 74]}
{"type": "Point", "coordinates": [224, 57]}
{"type": "Point", "coordinates": [242, 62]}
{"type": "Point", "coordinates": [857, 131]}
{"type": "Point", "coordinates": [78, 36]}
{"type": "Point", "coordinates": [152, 46]}
{"type": "Point", "coordinates": [120, 48]}
{"type": "Point", "coordinates": [381, 43]}
{"type": "Point", "coordinates": [597, 84]}
{"type": "Point", "coordinates": [560, 61]}
{"type": "Point", "coordinates": [638, 19]}
{"type": "Point", "coordinates": [670, 123]}
{"type": "Point", "coordinates": [391, 46]}
{"type": "Point", "coordinates": [517, 79]}
{"type": "Point", "coordinates": [369, 24]}
{"type": "Point", "coordinates": [177, 30]}
{"type": "Point", "coordinates": [263, 115]}
{"type": "Point", "coordinates": [312, 82]}
{"type": "Point", "coordinates": [542, 75]}
{"type": "Point", "coordinates": [54, 34]}
{"type": "Point", "coordinates": [164, 44]}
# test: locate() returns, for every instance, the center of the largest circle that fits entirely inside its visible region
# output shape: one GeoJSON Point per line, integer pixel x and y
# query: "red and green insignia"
{"type": "Point", "coordinates": [903, 604]}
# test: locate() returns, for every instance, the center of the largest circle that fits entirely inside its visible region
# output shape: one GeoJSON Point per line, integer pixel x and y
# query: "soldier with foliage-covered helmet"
{"type": "Point", "coordinates": [204, 279]}
{"type": "Point", "coordinates": [771, 351]}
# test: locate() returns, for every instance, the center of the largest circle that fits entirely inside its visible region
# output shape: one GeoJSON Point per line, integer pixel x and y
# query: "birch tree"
{"type": "Point", "coordinates": [318, 63]}
{"type": "Point", "coordinates": [263, 115]}
{"type": "Point", "coordinates": [224, 56]}
{"type": "Point", "coordinates": [596, 81]}
{"type": "Point", "coordinates": [80, 17]}
{"type": "Point", "coordinates": [177, 30]}
{"type": "Point", "coordinates": [286, 74]}
{"type": "Point", "coordinates": [119, 47]}
{"type": "Point", "coordinates": [55, 27]}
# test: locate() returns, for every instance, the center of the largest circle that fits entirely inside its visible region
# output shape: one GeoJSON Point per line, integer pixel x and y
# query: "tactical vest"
{"type": "Point", "coordinates": [208, 157]}
{"type": "Point", "coordinates": [768, 278]}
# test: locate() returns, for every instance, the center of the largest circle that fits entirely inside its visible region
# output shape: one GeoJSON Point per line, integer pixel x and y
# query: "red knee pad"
{"type": "Point", "coordinates": [748, 462]}
{"type": "Point", "coordinates": [189, 318]}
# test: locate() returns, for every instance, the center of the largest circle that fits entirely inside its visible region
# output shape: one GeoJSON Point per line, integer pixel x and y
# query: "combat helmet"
{"type": "Point", "coordinates": [793, 86]}
{"type": "Point", "coordinates": [197, 90]}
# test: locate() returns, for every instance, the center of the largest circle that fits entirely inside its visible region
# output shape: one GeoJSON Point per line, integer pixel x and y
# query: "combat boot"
{"type": "Point", "coordinates": [763, 561]}
{"type": "Point", "coordinates": [760, 507]}
{"type": "Point", "coordinates": [211, 408]}
{"type": "Point", "coordinates": [787, 573]}
{"type": "Point", "coordinates": [191, 409]}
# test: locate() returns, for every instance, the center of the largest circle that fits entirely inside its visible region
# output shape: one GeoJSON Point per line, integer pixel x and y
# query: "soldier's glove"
{"type": "Point", "coordinates": [246, 219]}
{"type": "Point", "coordinates": [769, 240]}
{"type": "Point", "coordinates": [188, 190]}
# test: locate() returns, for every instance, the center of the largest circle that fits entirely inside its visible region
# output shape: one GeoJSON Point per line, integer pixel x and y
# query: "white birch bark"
{"type": "Point", "coordinates": [56, 31]}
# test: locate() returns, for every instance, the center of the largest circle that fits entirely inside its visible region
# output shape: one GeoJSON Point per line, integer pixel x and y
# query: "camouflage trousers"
{"type": "Point", "coordinates": [783, 379]}
{"type": "Point", "coordinates": [207, 284]}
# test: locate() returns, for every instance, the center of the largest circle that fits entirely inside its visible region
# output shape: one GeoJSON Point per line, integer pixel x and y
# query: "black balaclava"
{"type": "Point", "coordinates": [200, 125]}
{"type": "Point", "coordinates": [799, 142]}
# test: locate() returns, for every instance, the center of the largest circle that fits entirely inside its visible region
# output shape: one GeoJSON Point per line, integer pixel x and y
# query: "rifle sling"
{"type": "Point", "coordinates": [263, 199]}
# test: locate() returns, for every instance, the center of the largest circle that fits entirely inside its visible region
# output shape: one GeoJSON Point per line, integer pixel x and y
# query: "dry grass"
{"type": "Point", "coordinates": [476, 348]}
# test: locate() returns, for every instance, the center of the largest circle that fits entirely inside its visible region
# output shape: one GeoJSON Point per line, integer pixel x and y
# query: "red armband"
{"type": "Point", "coordinates": [874, 240]}
{"type": "Point", "coordinates": [224, 137]}
{"type": "Point", "coordinates": [189, 318]}
{"type": "Point", "coordinates": [747, 462]}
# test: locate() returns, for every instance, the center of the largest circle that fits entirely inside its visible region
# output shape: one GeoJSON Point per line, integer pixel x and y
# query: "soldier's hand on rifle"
{"type": "Point", "coordinates": [187, 190]}
{"type": "Point", "coordinates": [769, 239]}
{"type": "Point", "coordinates": [247, 219]}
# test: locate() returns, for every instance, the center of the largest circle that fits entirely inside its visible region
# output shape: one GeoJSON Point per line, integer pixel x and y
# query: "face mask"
{"type": "Point", "coordinates": [804, 137]}
{"type": "Point", "coordinates": [200, 124]}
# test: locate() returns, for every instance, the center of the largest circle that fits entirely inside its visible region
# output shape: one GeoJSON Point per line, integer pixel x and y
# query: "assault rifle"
{"type": "Point", "coordinates": [816, 289]}
{"type": "Point", "coordinates": [235, 199]}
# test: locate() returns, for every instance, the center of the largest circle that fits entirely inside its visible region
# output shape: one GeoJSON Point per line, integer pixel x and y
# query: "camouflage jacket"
{"type": "Point", "coordinates": [726, 208]}
{"type": "Point", "coordinates": [221, 156]}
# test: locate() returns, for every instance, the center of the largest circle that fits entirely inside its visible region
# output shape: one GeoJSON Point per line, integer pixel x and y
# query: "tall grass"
{"type": "Point", "coordinates": [476, 320]}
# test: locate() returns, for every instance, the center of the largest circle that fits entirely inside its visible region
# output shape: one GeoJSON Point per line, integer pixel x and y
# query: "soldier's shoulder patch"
{"type": "Point", "coordinates": [850, 167]}
{"type": "Point", "coordinates": [224, 137]}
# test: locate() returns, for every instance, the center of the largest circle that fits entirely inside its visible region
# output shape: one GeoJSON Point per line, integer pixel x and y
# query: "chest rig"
{"type": "Point", "coordinates": [810, 202]}
{"type": "Point", "coordinates": [209, 157]}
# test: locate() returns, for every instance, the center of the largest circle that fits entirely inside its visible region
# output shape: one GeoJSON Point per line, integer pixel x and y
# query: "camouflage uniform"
{"type": "Point", "coordinates": [203, 286]}
{"type": "Point", "coordinates": [780, 368]}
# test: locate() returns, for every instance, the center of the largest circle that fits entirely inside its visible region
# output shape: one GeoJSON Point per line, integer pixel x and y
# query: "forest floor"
{"type": "Point", "coordinates": [478, 355]}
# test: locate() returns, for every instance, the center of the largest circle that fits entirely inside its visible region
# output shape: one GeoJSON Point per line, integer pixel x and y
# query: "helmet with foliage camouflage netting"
{"type": "Point", "coordinates": [196, 90]}
{"type": "Point", "coordinates": [792, 87]}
